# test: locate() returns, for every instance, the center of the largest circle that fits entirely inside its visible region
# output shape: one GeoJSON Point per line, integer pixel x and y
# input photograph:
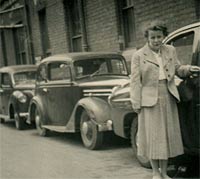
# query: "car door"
{"type": "Point", "coordinates": [187, 47]}
{"type": "Point", "coordinates": [60, 93]}
{"type": "Point", "coordinates": [5, 92]}
{"type": "Point", "coordinates": [40, 90]}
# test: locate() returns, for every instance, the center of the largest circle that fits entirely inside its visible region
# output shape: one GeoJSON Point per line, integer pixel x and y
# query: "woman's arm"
{"type": "Point", "coordinates": [135, 83]}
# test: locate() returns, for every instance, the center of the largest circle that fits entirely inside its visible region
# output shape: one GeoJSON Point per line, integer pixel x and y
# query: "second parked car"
{"type": "Point", "coordinates": [72, 91]}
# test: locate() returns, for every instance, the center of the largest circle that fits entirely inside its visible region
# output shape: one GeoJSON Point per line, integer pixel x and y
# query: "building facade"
{"type": "Point", "coordinates": [59, 26]}
{"type": "Point", "coordinates": [15, 37]}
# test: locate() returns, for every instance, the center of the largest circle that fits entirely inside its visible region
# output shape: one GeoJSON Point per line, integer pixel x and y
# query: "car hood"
{"type": "Point", "coordinates": [105, 82]}
{"type": "Point", "coordinates": [120, 96]}
{"type": "Point", "coordinates": [102, 87]}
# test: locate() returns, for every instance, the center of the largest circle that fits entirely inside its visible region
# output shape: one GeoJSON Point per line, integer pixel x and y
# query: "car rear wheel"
{"type": "Point", "coordinates": [142, 160]}
{"type": "Point", "coordinates": [41, 130]}
{"type": "Point", "coordinates": [91, 137]}
{"type": "Point", "coordinates": [19, 121]}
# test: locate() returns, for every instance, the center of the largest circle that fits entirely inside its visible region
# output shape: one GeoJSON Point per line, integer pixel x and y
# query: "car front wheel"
{"type": "Point", "coordinates": [142, 160]}
{"type": "Point", "coordinates": [91, 137]}
{"type": "Point", "coordinates": [41, 130]}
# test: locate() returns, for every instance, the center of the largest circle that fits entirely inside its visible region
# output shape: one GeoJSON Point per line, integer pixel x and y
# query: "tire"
{"type": "Point", "coordinates": [91, 137]}
{"type": "Point", "coordinates": [2, 120]}
{"type": "Point", "coordinates": [142, 160]}
{"type": "Point", "coordinates": [37, 118]}
{"type": "Point", "coordinates": [19, 121]}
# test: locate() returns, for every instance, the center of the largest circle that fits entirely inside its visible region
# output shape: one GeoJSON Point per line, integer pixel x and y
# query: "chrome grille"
{"type": "Point", "coordinates": [97, 92]}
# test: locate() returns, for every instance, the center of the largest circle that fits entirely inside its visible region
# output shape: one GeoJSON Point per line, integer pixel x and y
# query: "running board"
{"type": "Point", "coordinates": [57, 128]}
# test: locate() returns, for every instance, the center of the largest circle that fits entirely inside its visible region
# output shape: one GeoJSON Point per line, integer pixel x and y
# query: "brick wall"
{"type": "Point", "coordinates": [56, 27]}
{"type": "Point", "coordinates": [176, 13]}
{"type": "Point", "coordinates": [101, 22]}
{"type": "Point", "coordinates": [101, 25]}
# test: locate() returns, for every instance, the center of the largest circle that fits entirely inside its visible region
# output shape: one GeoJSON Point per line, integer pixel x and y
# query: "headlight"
{"type": "Point", "coordinates": [20, 96]}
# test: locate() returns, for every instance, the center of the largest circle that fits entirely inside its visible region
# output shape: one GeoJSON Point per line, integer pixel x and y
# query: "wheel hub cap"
{"type": "Point", "coordinates": [85, 128]}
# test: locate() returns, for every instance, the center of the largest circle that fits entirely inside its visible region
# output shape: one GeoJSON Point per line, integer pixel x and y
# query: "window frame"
{"type": "Point", "coordinates": [60, 80]}
{"type": "Point", "coordinates": [125, 27]}
{"type": "Point", "coordinates": [2, 80]}
{"type": "Point", "coordinates": [69, 20]}
{"type": "Point", "coordinates": [195, 40]}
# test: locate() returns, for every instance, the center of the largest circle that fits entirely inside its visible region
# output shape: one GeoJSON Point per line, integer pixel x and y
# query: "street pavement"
{"type": "Point", "coordinates": [26, 155]}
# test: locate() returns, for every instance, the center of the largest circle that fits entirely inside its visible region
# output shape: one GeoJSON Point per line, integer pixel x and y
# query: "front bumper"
{"type": "Point", "coordinates": [108, 126]}
{"type": "Point", "coordinates": [24, 115]}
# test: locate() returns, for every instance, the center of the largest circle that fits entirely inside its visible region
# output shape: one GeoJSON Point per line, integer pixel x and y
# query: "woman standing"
{"type": "Point", "coordinates": [154, 96]}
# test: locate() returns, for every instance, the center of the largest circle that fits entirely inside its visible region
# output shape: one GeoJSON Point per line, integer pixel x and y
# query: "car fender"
{"type": "Point", "coordinates": [98, 109]}
{"type": "Point", "coordinates": [37, 102]}
{"type": "Point", "coordinates": [17, 105]}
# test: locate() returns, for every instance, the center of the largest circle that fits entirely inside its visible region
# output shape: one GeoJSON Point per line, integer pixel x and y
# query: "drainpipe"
{"type": "Point", "coordinates": [27, 32]}
{"type": "Point", "coordinates": [85, 46]}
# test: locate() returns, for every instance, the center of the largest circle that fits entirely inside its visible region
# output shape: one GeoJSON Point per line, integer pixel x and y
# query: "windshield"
{"type": "Point", "coordinates": [27, 77]}
{"type": "Point", "coordinates": [100, 66]}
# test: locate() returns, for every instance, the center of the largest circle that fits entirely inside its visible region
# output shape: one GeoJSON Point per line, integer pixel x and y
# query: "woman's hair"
{"type": "Point", "coordinates": [156, 26]}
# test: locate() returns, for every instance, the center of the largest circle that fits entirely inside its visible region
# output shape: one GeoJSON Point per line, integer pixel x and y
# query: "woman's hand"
{"type": "Point", "coordinates": [195, 70]}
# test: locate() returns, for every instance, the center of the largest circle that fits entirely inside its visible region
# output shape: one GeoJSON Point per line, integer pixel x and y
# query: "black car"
{"type": "Point", "coordinates": [17, 85]}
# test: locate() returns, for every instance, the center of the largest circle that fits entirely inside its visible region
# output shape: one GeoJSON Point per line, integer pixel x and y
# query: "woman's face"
{"type": "Point", "coordinates": [155, 38]}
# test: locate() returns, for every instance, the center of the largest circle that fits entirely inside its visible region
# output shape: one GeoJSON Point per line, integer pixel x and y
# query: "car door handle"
{"type": "Point", "coordinates": [45, 90]}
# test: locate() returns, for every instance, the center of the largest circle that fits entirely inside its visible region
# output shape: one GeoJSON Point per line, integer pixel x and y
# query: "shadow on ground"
{"type": "Point", "coordinates": [185, 166]}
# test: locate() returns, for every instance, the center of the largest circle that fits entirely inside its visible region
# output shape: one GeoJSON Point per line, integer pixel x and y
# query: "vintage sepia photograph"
{"type": "Point", "coordinates": [99, 89]}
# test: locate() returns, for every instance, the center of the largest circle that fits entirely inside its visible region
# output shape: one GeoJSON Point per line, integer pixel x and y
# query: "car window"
{"type": "Point", "coordinates": [59, 71]}
{"type": "Point", "coordinates": [6, 80]}
{"type": "Point", "coordinates": [183, 44]}
{"type": "Point", "coordinates": [27, 77]}
{"type": "Point", "coordinates": [100, 66]}
{"type": "Point", "coordinates": [41, 73]}
{"type": "Point", "coordinates": [117, 66]}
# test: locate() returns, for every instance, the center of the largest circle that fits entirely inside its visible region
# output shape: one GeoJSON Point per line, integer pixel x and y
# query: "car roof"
{"type": "Point", "coordinates": [17, 68]}
{"type": "Point", "coordinates": [70, 57]}
{"type": "Point", "coordinates": [187, 27]}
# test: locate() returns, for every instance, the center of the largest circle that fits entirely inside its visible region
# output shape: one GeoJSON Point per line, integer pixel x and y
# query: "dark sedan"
{"type": "Point", "coordinates": [17, 85]}
{"type": "Point", "coordinates": [71, 94]}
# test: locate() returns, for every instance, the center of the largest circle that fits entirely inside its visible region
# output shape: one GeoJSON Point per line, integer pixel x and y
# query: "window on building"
{"type": "Point", "coordinates": [20, 45]}
{"type": "Point", "coordinates": [44, 32]}
{"type": "Point", "coordinates": [3, 42]}
{"type": "Point", "coordinates": [183, 44]}
{"type": "Point", "coordinates": [128, 22]}
{"type": "Point", "coordinates": [73, 13]}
